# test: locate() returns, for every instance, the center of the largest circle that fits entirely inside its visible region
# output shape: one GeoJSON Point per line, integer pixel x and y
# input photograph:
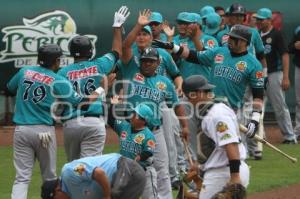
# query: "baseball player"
{"type": "Point", "coordinates": [219, 146]}
{"type": "Point", "coordinates": [84, 131]}
{"type": "Point", "coordinates": [233, 68]}
{"type": "Point", "coordinates": [106, 176]}
{"type": "Point", "coordinates": [294, 48]}
{"type": "Point", "coordinates": [156, 25]}
{"type": "Point", "coordinates": [36, 88]}
{"type": "Point", "coordinates": [148, 87]}
{"type": "Point", "coordinates": [278, 72]}
{"type": "Point", "coordinates": [137, 142]}
{"type": "Point", "coordinates": [130, 66]}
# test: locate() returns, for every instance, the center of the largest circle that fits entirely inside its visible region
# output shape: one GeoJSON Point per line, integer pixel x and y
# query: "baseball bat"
{"type": "Point", "coordinates": [260, 139]}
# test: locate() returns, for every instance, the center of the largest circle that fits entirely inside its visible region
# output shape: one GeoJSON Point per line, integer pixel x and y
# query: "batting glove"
{"type": "Point", "coordinates": [253, 125]}
{"type": "Point", "coordinates": [45, 139]}
{"type": "Point", "coordinates": [120, 17]}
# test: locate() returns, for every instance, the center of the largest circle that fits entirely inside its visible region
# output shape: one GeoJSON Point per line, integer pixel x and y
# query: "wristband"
{"type": "Point", "coordinates": [265, 71]}
{"type": "Point", "coordinates": [100, 91]}
{"type": "Point", "coordinates": [234, 166]}
{"type": "Point", "coordinates": [176, 48]}
{"type": "Point", "coordinates": [255, 116]}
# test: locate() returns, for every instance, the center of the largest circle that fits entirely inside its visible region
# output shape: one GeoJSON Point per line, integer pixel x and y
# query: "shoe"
{"type": "Point", "coordinates": [257, 155]}
{"type": "Point", "coordinates": [289, 142]}
{"type": "Point", "coordinates": [176, 184]}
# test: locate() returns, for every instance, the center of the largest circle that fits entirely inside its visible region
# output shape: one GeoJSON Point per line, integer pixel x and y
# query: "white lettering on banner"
{"type": "Point", "coordinates": [23, 41]}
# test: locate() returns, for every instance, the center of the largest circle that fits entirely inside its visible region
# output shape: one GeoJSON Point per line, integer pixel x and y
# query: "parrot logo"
{"type": "Point", "coordinates": [221, 127]}
{"type": "Point", "coordinates": [57, 22]}
{"type": "Point", "coordinates": [79, 169]}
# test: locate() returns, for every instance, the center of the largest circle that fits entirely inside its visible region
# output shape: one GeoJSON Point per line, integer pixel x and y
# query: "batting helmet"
{"type": "Point", "coordinates": [48, 189]}
{"type": "Point", "coordinates": [48, 54]}
{"type": "Point", "coordinates": [196, 83]}
{"type": "Point", "coordinates": [240, 32]}
{"type": "Point", "coordinates": [150, 53]}
{"type": "Point", "coordinates": [81, 46]}
{"type": "Point", "coordinates": [237, 9]}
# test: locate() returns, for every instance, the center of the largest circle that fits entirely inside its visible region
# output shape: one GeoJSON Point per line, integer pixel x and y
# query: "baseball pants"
{"type": "Point", "coordinates": [161, 165]}
{"type": "Point", "coordinates": [297, 92]}
{"type": "Point", "coordinates": [28, 148]}
{"type": "Point", "coordinates": [277, 98]}
{"type": "Point", "coordinates": [215, 179]}
{"type": "Point", "coordinates": [84, 137]}
{"type": "Point", "coordinates": [150, 190]}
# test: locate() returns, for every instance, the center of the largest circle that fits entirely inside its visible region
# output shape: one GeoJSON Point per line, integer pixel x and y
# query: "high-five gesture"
{"type": "Point", "coordinates": [120, 17]}
{"type": "Point", "coordinates": [167, 29]}
{"type": "Point", "coordinates": [144, 17]}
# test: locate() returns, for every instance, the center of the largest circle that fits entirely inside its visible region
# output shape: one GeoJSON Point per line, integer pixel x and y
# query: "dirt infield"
{"type": "Point", "coordinates": [273, 135]}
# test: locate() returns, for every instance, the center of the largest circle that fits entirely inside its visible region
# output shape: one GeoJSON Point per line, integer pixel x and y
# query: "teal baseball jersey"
{"type": "Point", "coordinates": [77, 176]}
{"type": "Point", "coordinates": [132, 143]}
{"type": "Point", "coordinates": [256, 45]}
{"type": "Point", "coordinates": [167, 65]}
{"type": "Point", "coordinates": [187, 68]}
{"type": "Point", "coordinates": [85, 77]}
{"type": "Point", "coordinates": [153, 91]}
{"type": "Point", "coordinates": [231, 74]}
{"type": "Point", "coordinates": [222, 36]}
{"type": "Point", "coordinates": [36, 89]}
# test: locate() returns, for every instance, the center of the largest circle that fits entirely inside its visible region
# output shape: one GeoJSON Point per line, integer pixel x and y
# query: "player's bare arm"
{"type": "Point", "coordinates": [100, 177]}
{"type": "Point", "coordinates": [129, 40]}
{"type": "Point", "coordinates": [285, 84]}
{"type": "Point", "coordinates": [180, 112]}
{"type": "Point", "coordinates": [233, 155]}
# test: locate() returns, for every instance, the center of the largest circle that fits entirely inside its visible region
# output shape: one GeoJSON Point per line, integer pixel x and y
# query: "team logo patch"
{"type": "Point", "coordinates": [219, 59]}
{"type": "Point", "coordinates": [139, 78]}
{"type": "Point", "coordinates": [161, 85]}
{"type": "Point", "coordinates": [79, 169]}
{"type": "Point", "coordinates": [123, 135]}
{"type": "Point", "coordinates": [139, 138]}
{"type": "Point", "coordinates": [221, 127]}
{"type": "Point", "coordinates": [259, 74]}
{"type": "Point", "coordinates": [269, 40]}
{"type": "Point", "coordinates": [241, 66]}
{"type": "Point", "coordinates": [210, 43]}
{"type": "Point", "coordinates": [226, 136]}
{"type": "Point", "coordinates": [151, 143]}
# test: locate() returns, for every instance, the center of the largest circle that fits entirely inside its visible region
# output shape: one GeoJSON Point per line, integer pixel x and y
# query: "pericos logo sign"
{"type": "Point", "coordinates": [23, 41]}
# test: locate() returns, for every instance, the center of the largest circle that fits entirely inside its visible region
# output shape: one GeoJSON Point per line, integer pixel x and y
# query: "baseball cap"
{"type": "Point", "coordinates": [156, 17]}
{"type": "Point", "coordinates": [206, 10]}
{"type": "Point", "coordinates": [147, 29]}
{"type": "Point", "coordinates": [213, 21]}
{"type": "Point", "coordinates": [264, 13]}
{"type": "Point", "coordinates": [150, 53]}
{"type": "Point", "coordinates": [197, 18]}
{"type": "Point", "coordinates": [185, 17]}
{"type": "Point", "coordinates": [129, 180]}
{"type": "Point", "coordinates": [144, 112]}
{"type": "Point", "coordinates": [48, 189]}
{"type": "Point", "coordinates": [196, 83]}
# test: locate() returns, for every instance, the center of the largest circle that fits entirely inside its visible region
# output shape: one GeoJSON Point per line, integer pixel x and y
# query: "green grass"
{"type": "Point", "coordinates": [272, 172]}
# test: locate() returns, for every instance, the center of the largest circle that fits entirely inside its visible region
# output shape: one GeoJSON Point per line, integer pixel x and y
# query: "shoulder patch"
{"type": "Point", "coordinates": [259, 74]}
{"type": "Point", "coordinates": [219, 59]}
{"type": "Point", "coordinates": [79, 169]}
{"type": "Point", "coordinates": [123, 135]}
{"type": "Point", "coordinates": [151, 143]}
{"type": "Point", "coordinates": [139, 78]}
{"type": "Point", "coordinates": [139, 138]}
{"type": "Point", "coordinates": [221, 127]}
{"type": "Point", "coordinates": [211, 43]}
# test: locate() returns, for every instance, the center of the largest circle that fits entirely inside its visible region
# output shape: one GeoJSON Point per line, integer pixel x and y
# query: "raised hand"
{"type": "Point", "coordinates": [167, 29]}
{"type": "Point", "coordinates": [120, 17]}
{"type": "Point", "coordinates": [115, 99]}
{"type": "Point", "coordinates": [144, 17]}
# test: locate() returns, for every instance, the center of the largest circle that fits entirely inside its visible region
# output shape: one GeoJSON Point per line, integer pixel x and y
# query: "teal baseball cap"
{"type": "Point", "coordinates": [206, 10]}
{"type": "Point", "coordinates": [145, 112]}
{"type": "Point", "coordinates": [147, 29]}
{"type": "Point", "coordinates": [185, 17]}
{"type": "Point", "coordinates": [197, 18]}
{"type": "Point", "coordinates": [213, 21]}
{"type": "Point", "coordinates": [264, 13]}
{"type": "Point", "coordinates": [156, 17]}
